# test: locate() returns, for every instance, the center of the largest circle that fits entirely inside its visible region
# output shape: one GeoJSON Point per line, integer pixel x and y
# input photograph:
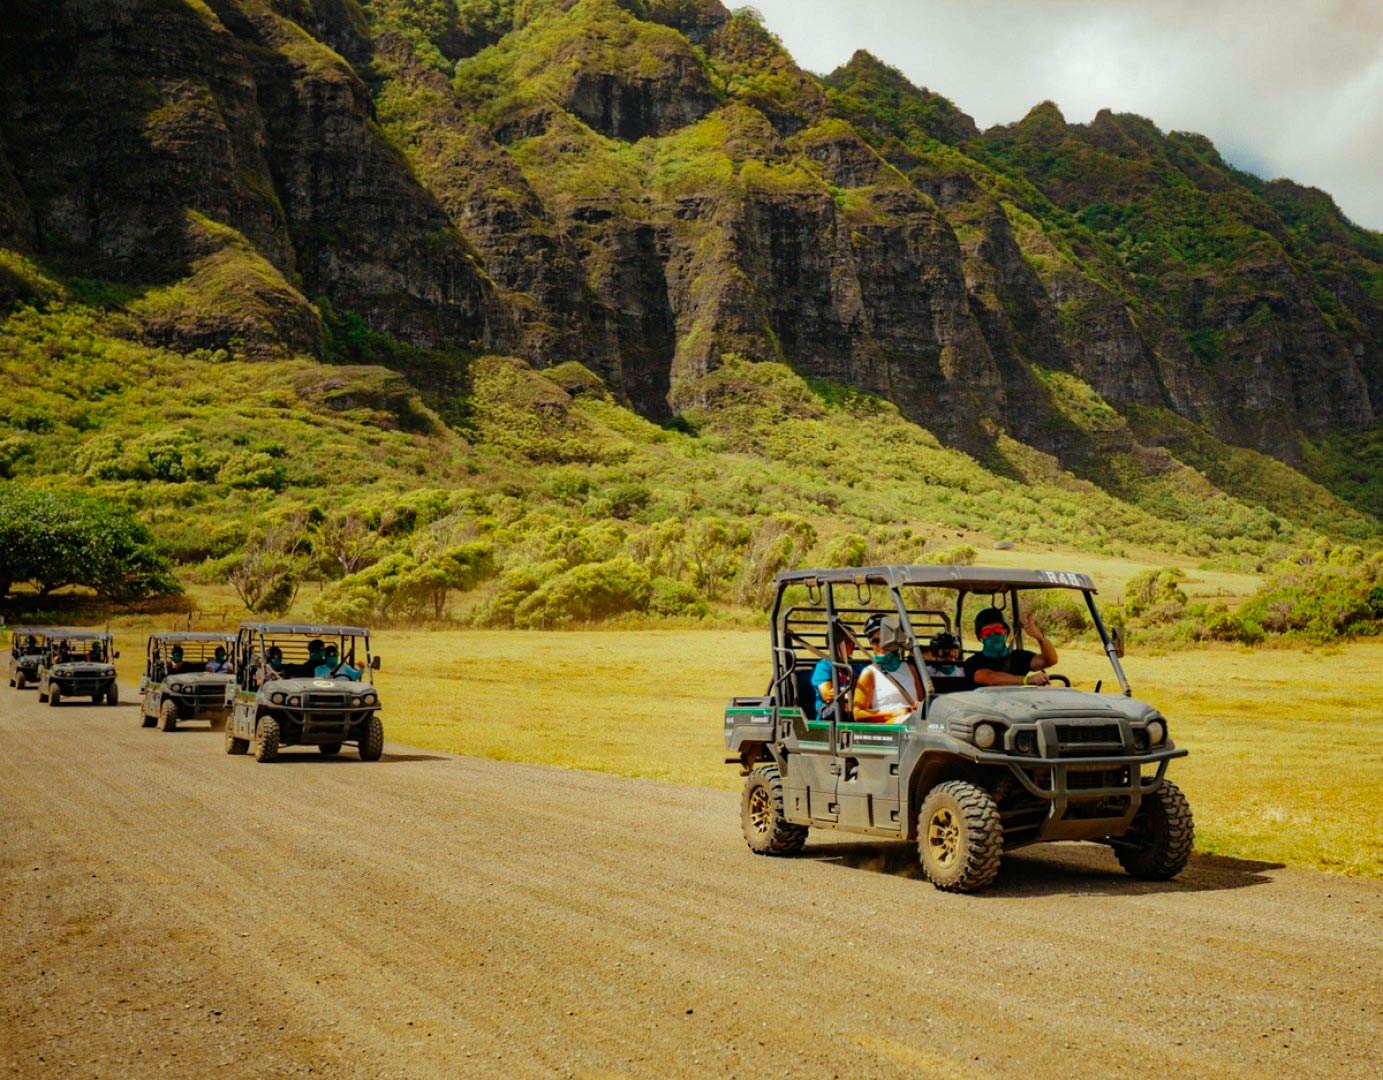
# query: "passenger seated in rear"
{"type": "Point", "coordinates": [178, 665]}
{"type": "Point", "coordinates": [942, 657]}
{"type": "Point", "coordinates": [830, 679]}
{"type": "Point", "coordinates": [889, 688]}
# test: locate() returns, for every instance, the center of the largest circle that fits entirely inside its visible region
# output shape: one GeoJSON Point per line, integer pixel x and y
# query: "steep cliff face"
{"type": "Point", "coordinates": [648, 186]}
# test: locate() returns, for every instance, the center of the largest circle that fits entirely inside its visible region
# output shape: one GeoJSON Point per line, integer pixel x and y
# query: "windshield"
{"type": "Point", "coordinates": [181, 656]}
{"type": "Point", "coordinates": [313, 656]}
{"type": "Point", "coordinates": [74, 649]}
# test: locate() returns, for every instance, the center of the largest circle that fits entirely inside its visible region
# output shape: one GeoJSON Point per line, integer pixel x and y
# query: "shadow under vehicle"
{"type": "Point", "coordinates": [301, 701]}
{"type": "Point", "coordinates": [969, 772]}
{"type": "Point", "coordinates": [78, 663]}
{"type": "Point", "coordinates": [26, 650]}
{"type": "Point", "coordinates": [169, 697]}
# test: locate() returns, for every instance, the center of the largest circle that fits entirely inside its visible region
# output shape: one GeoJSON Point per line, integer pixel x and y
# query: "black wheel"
{"type": "Point", "coordinates": [19, 681]}
{"type": "Point", "coordinates": [372, 740]}
{"type": "Point", "coordinates": [113, 694]}
{"type": "Point", "coordinates": [54, 696]}
{"type": "Point", "coordinates": [96, 699]}
{"type": "Point", "coordinates": [267, 739]}
{"type": "Point", "coordinates": [960, 838]}
{"type": "Point", "coordinates": [145, 720]}
{"type": "Point", "coordinates": [329, 749]}
{"type": "Point", "coordinates": [766, 830]}
{"type": "Point", "coordinates": [1158, 843]}
{"type": "Point", "coordinates": [233, 745]}
{"type": "Point", "coordinates": [168, 716]}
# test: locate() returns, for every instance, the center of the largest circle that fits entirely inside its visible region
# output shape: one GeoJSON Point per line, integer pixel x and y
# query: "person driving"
{"type": "Point", "coordinates": [829, 679]}
{"type": "Point", "coordinates": [220, 664]}
{"type": "Point", "coordinates": [998, 664]}
{"type": "Point", "coordinates": [94, 653]}
{"type": "Point", "coordinates": [889, 688]}
{"type": "Point", "coordinates": [332, 666]}
{"type": "Point", "coordinates": [315, 656]}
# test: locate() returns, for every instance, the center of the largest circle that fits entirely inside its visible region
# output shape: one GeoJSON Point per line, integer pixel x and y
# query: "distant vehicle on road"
{"type": "Point", "coordinates": [78, 663]}
{"type": "Point", "coordinates": [26, 650]}
{"type": "Point", "coordinates": [298, 684]}
{"type": "Point", "coordinates": [966, 772]}
{"type": "Point", "coordinates": [177, 687]}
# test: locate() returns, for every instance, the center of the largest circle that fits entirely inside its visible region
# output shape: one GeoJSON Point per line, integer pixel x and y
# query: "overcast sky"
{"type": "Point", "coordinates": [1283, 87]}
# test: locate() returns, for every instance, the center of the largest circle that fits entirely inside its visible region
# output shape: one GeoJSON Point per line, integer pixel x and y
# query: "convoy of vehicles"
{"type": "Point", "coordinates": [966, 771]}
{"type": "Point", "coordinates": [969, 772]}
{"type": "Point", "coordinates": [179, 684]}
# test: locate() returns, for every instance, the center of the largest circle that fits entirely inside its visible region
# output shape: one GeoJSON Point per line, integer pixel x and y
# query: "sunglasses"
{"type": "Point", "coordinates": [992, 629]}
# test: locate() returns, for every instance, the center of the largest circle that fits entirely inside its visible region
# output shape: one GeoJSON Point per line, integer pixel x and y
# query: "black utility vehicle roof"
{"type": "Point", "coordinates": [192, 635]}
{"type": "Point", "coordinates": [301, 628]}
{"type": "Point", "coordinates": [973, 578]}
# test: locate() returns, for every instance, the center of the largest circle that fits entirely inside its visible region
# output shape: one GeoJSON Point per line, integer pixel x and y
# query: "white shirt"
{"type": "Point", "coordinates": [886, 695]}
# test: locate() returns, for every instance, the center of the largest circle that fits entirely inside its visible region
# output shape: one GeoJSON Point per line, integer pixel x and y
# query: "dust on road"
{"type": "Point", "coordinates": [171, 910]}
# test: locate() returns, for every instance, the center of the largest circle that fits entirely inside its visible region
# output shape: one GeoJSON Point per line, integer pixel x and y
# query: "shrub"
{"type": "Point", "coordinates": [588, 593]}
{"type": "Point", "coordinates": [1153, 586]}
{"type": "Point", "coordinates": [852, 549]}
{"type": "Point", "coordinates": [1321, 593]}
{"type": "Point", "coordinates": [960, 555]}
{"type": "Point", "coordinates": [676, 598]}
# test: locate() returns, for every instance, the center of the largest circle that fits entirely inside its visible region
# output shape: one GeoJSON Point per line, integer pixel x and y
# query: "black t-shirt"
{"type": "Point", "coordinates": [1017, 662]}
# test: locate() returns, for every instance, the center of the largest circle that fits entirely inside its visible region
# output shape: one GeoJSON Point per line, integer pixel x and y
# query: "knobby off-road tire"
{"type": "Point", "coordinates": [960, 838]}
{"type": "Point", "coordinates": [372, 740]}
{"type": "Point", "coordinates": [168, 716]}
{"type": "Point", "coordinates": [766, 829]}
{"type": "Point", "coordinates": [1158, 842]}
{"type": "Point", "coordinates": [113, 694]}
{"type": "Point", "coordinates": [54, 696]}
{"type": "Point", "coordinates": [329, 749]}
{"type": "Point", "coordinates": [233, 745]}
{"type": "Point", "coordinates": [267, 739]}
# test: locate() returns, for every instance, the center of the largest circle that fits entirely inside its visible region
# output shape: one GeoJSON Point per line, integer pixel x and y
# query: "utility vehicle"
{"type": "Point", "coordinates": [287, 694]}
{"type": "Point", "coordinates": [970, 772]}
{"type": "Point", "coordinates": [26, 649]}
{"type": "Point", "coordinates": [174, 690]}
{"type": "Point", "coordinates": [78, 663]}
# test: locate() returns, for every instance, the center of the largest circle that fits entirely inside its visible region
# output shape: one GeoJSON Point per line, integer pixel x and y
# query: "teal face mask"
{"type": "Point", "coordinates": [889, 662]}
{"type": "Point", "coordinates": [995, 646]}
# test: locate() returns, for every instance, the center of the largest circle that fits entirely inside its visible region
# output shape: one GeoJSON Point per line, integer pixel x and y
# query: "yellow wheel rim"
{"type": "Point", "coordinates": [761, 810]}
{"type": "Point", "coordinates": [943, 836]}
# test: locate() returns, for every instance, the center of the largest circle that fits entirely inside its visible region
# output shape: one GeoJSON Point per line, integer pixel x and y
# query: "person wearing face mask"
{"type": "Point", "coordinates": [177, 665]}
{"type": "Point", "coordinates": [332, 666]}
{"type": "Point", "coordinates": [999, 664]}
{"type": "Point", "coordinates": [889, 688]}
{"type": "Point", "coordinates": [220, 664]}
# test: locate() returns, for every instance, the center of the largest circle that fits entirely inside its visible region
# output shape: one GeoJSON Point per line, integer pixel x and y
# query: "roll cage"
{"type": "Point", "coordinates": [65, 636]}
{"type": "Point", "coordinates": [254, 640]}
{"type": "Point", "coordinates": [815, 625]}
{"type": "Point", "coordinates": [159, 649]}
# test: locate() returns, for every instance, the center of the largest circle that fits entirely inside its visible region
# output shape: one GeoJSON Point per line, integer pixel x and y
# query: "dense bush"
{"type": "Point", "coordinates": [588, 593]}
{"type": "Point", "coordinates": [53, 539]}
{"type": "Point", "coordinates": [1322, 593]}
{"type": "Point", "coordinates": [404, 586]}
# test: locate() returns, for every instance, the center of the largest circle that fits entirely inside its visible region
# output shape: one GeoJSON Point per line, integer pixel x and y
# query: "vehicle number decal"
{"type": "Point", "coordinates": [1063, 578]}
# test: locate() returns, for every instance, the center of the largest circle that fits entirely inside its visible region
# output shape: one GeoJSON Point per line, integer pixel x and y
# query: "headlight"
{"type": "Point", "coordinates": [110, 671]}
{"type": "Point", "coordinates": [355, 701]}
{"type": "Point", "coordinates": [371, 699]}
{"type": "Point", "coordinates": [294, 700]}
{"type": "Point", "coordinates": [277, 699]}
{"type": "Point", "coordinates": [1157, 731]}
{"type": "Point", "coordinates": [985, 736]}
{"type": "Point", "coordinates": [1024, 742]}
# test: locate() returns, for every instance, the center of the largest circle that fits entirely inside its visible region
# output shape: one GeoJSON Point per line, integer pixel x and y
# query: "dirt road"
{"type": "Point", "coordinates": [169, 910]}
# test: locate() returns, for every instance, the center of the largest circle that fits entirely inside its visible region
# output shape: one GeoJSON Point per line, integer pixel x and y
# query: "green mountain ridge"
{"type": "Point", "coordinates": [266, 257]}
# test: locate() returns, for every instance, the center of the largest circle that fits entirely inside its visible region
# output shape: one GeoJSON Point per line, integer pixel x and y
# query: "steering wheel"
{"type": "Point", "coordinates": [1059, 678]}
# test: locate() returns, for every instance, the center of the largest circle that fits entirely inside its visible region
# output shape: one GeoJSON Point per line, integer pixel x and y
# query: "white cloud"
{"type": "Point", "coordinates": [1283, 87]}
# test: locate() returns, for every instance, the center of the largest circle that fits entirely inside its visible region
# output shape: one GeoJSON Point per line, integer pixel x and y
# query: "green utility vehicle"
{"type": "Point", "coordinates": [302, 685]}
{"type": "Point", "coordinates": [969, 771]}
{"type": "Point", "coordinates": [26, 650]}
{"type": "Point", "coordinates": [78, 663]}
{"type": "Point", "coordinates": [179, 683]}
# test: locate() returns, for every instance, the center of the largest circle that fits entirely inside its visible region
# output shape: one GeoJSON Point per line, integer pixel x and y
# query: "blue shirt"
{"type": "Point", "coordinates": [822, 674]}
{"type": "Point", "coordinates": [343, 671]}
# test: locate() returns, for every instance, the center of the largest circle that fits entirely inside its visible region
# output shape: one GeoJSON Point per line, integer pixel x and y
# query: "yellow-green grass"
{"type": "Point", "coordinates": [1286, 746]}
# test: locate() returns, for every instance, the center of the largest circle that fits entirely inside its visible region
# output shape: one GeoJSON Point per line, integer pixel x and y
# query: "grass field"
{"type": "Point", "coordinates": [1286, 746]}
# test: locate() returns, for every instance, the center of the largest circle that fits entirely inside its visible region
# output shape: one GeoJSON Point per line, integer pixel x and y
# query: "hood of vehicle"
{"type": "Point", "coordinates": [1024, 704]}
{"type": "Point", "coordinates": [84, 667]}
{"type": "Point", "coordinates": [315, 686]}
{"type": "Point", "coordinates": [198, 678]}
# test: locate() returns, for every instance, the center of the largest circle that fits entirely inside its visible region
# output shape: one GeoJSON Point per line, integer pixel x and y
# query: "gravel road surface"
{"type": "Point", "coordinates": [171, 911]}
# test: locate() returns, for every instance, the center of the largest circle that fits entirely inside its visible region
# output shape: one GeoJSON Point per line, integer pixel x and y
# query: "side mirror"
{"type": "Point", "coordinates": [891, 633]}
{"type": "Point", "coordinates": [1116, 638]}
{"type": "Point", "coordinates": [374, 663]}
{"type": "Point", "coordinates": [116, 655]}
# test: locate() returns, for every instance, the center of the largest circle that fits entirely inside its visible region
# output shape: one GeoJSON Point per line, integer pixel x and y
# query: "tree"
{"type": "Point", "coordinates": [58, 538]}
{"type": "Point", "coordinates": [269, 572]}
{"type": "Point", "coordinates": [346, 541]}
